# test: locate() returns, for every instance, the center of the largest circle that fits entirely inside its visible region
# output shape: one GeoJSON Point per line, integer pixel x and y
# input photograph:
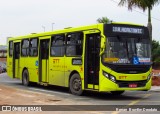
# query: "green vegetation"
{"type": "Point", "coordinates": [104, 20]}
{"type": "Point", "coordinates": [142, 4]}
{"type": "Point", "coordinates": [155, 51]}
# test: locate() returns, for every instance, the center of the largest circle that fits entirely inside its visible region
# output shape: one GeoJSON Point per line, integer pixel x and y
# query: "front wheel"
{"type": "Point", "coordinates": [25, 78]}
{"type": "Point", "coordinates": [117, 92]}
{"type": "Point", "coordinates": [75, 85]}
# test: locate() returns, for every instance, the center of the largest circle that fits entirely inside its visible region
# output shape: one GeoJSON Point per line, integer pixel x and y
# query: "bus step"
{"type": "Point", "coordinates": [43, 83]}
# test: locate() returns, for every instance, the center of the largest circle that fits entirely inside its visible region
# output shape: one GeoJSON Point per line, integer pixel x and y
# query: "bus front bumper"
{"type": "Point", "coordinates": [107, 86]}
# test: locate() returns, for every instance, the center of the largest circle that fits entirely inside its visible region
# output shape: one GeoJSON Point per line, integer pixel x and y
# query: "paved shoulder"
{"type": "Point", "coordinates": [155, 88]}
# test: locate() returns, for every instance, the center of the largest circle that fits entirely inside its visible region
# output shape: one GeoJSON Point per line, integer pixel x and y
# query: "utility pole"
{"type": "Point", "coordinates": [52, 26]}
{"type": "Point", "coordinates": [43, 28]}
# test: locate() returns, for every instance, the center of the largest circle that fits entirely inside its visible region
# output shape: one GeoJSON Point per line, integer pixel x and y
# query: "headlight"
{"type": "Point", "coordinates": [105, 74]}
{"type": "Point", "coordinates": [110, 77]}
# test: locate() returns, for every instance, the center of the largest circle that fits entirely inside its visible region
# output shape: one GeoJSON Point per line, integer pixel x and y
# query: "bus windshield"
{"type": "Point", "coordinates": [124, 50]}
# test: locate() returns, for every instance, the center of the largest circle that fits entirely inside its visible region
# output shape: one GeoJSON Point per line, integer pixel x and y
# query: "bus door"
{"type": "Point", "coordinates": [92, 59]}
{"type": "Point", "coordinates": [43, 60]}
{"type": "Point", "coordinates": [16, 57]}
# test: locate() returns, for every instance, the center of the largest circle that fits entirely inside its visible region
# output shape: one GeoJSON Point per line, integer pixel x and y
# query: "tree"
{"type": "Point", "coordinates": [142, 4]}
{"type": "Point", "coordinates": [104, 20]}
{"type": "Point", "coordinates": [155, 51]}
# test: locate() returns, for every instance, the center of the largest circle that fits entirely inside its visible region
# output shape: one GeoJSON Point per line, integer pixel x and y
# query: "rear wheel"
{"type": "Point", "coordinates": [75, 84]}
{"type": "Point", "coordinates": [117, 92]}
{"type": "Point", "coordinates": [25, 78]}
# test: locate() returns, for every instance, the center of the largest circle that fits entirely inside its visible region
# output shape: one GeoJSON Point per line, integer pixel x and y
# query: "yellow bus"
{"type": "Point", "coordinates": [113, 58]}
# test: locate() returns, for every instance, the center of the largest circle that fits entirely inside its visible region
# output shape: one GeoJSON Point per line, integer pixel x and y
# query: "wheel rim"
{"type": "Point", "coordinates": [76, 84]}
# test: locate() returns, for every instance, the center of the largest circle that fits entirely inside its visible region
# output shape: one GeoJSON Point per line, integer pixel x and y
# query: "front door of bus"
{"type": "Point", "coordinates": [92, 60]}
{"type": "Point", "coordinates": [16, 57]}
{"type": "Point", "coordinates": [43, 60]}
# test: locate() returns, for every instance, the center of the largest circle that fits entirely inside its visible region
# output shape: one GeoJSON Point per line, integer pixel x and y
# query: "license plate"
{"type": "Point", "coordinates": [132, 85]}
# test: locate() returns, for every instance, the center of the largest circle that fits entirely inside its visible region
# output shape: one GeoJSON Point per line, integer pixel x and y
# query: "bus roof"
{"type": "Point", "coordinates": [67, 30]}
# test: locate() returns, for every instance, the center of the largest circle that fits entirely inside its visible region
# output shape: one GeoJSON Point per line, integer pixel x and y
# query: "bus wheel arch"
{"type": "Point", "coordinates": [25, 77]}
{"type": "Point", "coordinates": [75, 83]}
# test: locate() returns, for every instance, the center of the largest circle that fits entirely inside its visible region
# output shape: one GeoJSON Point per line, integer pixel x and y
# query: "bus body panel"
{"type": "Point", "coordinates": [56, 71]}
{"type": "Point", "coordinates": [17, 70]}
{"type": "Point", "coordinates": [70, 68]}
{"type": "Point", "coordinates": [29, 63]}
{"type": "Point", "coordinates": [32, 68]}
{"type": "Point", "coordinates": [9, 67]}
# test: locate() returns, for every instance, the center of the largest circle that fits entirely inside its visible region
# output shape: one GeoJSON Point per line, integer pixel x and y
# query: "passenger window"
{"type": "Point", "coordinates": [74, 44]}
{"type": "Point", "coordinates": [25, 47]}
{"type": "Point", "coordinates": [10, 48]}
{"type": "Point", "coordinates": [33, 47]}
{"type": "Point", "coordinates": [57, 45]}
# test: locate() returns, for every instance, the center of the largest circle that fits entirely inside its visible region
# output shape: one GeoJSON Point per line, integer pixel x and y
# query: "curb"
{"type": "Point", "coordinates": [158, 90]}
{"type": "Point", "coordinates": [155, 89]}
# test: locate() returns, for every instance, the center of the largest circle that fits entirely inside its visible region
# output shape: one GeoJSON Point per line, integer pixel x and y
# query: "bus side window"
{"type": "Point", "coordinates": [10, 48]}
{"type": "Point", "coordinates": [33, 47]}
{"type": "Point", "coordinates": [57, 45]}
{"type": "Point", "coordinates": [17, 52]}
{"type": "Point", "coordinates": [74, 44]}
{"type": "Point", "coordinates": [25, 47]}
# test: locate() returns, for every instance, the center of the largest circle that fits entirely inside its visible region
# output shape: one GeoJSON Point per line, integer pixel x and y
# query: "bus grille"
{"type": "Point", "coordinates": [126, 83]}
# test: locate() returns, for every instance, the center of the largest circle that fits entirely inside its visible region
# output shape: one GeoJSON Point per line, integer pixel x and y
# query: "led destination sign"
{"type": "Point", "coordinates": [127, 30]}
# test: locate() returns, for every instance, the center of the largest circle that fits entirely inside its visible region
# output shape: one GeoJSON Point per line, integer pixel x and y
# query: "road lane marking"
{"type": "Point", "coordinates": [151, 101]}
{"type": "Point", "coordinates": [136, 101]}
{"type": "Point", "coordinates": [147, 95]}
{"type": "Point", "coordinates": [132, 103]}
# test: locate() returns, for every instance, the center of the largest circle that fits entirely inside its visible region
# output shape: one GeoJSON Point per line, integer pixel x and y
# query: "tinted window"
{"type": "Point", "coordinates": [33, 47]}
{"type": "Point", "coordinates": [10, 48]}
{"type": "Point", "coordinates": [74, 44]}
{"type": "Point", "coordinates": [25, 47]}
{"type": "Point", "coordinates": [57, 45]}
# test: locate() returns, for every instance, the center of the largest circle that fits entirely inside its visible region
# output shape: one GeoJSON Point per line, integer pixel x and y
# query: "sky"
{"type": "Point", "coordinates": [22, 17]}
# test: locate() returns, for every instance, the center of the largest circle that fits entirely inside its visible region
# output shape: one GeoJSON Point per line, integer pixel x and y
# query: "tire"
{"type": "Point", "coordinates": [75, 85]}
{"type": "Point", "coordinates": [117, 92]}
{"type": "Point", "coordinates": [25, 78]}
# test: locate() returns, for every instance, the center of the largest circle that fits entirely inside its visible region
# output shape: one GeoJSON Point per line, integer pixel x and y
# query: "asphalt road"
{"type": "Point", "coordinates": [129, 98]}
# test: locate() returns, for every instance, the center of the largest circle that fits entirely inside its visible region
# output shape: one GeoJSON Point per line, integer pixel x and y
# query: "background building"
{"type": "Point", "coordinates": [3, 53]}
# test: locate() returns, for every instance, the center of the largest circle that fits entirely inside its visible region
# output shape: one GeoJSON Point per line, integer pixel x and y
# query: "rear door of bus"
{"type": "Point", "coordinates": [44, 59]}
{"type": "Point", "coordinates": [16, 59]}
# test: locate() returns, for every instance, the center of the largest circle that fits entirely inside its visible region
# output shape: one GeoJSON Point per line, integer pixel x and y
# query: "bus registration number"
{"type": "Point", "coordinates": [132, 85]}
